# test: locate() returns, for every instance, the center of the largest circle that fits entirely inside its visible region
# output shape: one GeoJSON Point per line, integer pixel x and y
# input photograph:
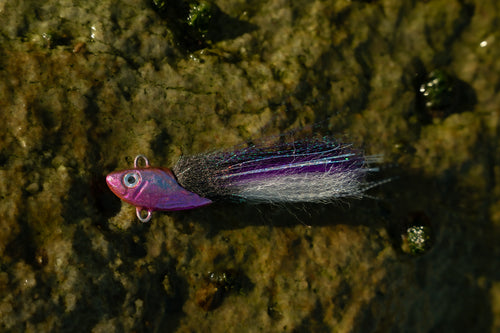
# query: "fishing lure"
{"type": "Point", "coordinates": [310, 170]}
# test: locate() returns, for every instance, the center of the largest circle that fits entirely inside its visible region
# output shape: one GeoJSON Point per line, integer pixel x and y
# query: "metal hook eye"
{"type": "Point", "coordinates": [139, 157]}
{"type": "Point", "coordinates": [147, 218]}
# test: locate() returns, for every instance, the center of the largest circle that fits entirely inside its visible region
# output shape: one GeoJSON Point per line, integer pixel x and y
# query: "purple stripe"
{"type": "Point", "coordinates": [288, 159]}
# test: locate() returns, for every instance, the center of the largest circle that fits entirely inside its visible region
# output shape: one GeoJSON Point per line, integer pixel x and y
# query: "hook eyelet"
{"type": "Point", "coordinates": [143, 219]}
{"type": "Point", "coordinates": [138, 158]}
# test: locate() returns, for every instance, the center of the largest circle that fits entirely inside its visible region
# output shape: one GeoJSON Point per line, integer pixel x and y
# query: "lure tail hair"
{"type": "Point", "coordinates": [308, 170]}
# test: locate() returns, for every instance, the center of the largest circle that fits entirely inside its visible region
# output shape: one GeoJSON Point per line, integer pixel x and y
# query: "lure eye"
{"type": "Point", "coordinates": [131, 179]}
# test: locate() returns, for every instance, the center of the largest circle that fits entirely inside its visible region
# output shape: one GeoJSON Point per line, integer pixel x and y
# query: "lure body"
{"type": "Point", "coordinates": [310, 170]}
{"type": "Point", "coordinates": [152, 189]}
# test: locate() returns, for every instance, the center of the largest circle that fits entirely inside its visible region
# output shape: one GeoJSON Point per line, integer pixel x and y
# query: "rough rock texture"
{"type": "Point", "coordinates": [87, 85]}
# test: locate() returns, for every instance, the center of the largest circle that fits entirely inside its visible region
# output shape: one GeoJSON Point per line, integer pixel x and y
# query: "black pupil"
{"type": "Point", "coordinates": [130, 179]}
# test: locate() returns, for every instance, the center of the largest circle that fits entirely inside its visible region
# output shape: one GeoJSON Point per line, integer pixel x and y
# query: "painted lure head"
{"type": "Point", "coordinates": [150, 189]}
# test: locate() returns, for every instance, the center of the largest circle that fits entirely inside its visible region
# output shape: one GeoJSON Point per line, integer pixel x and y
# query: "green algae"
{"type": "Point", "coordinates": [418, 238]}
{"type": "Point", "coordinates": [438, 90]}
{"type": "Point", "coordinates": [73, 258]}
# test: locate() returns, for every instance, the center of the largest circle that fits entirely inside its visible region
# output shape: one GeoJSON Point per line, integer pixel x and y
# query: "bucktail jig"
{"type": "Point", "coordinates": [309, 170]}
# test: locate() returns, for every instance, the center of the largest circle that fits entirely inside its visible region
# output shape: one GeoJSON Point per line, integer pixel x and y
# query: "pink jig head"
{"type": "Point", "coordinates": [150, 189]}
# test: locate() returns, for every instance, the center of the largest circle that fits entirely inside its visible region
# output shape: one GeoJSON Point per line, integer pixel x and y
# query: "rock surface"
{"type": "Point", "coordinates": [85, 86]}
